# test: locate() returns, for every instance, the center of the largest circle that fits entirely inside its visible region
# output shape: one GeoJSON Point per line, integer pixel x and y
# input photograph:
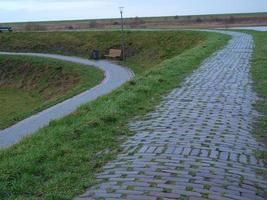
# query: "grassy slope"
{"type": "Point", "coordinates": [145, 48]}
{"type": "Point", "coordinates": [28, 85]}
{"type": "Point", "coordinates": [259, 74]}
{"type": "Point", "coordinates": [45, 167]}
{"type": "Point", "coordinates": [16, 105]}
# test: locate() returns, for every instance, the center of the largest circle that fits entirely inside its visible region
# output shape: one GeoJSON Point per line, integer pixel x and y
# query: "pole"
{"type": "Point", "coordinates": [122, 34]}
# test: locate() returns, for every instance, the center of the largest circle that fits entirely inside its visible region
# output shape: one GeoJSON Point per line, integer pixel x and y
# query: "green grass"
{"type": "Point", "coordinates": [30, 84]}
{"type": "Point", "coordinates": [259, 75]}
{"type": "Point", "coordinates": [60, 160]}
{"type": "Point", "coordinates": [16, 103]}
{"type": "Point", "coordinates": [145, 49]}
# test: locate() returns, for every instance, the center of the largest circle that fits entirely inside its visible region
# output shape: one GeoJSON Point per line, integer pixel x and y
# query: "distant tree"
{"type": "Point", "coordinates": [176, 17]}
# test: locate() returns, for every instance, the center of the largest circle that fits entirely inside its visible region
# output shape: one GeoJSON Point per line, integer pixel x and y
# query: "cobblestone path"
{"type": "Point", "coordinates": [197, 144]}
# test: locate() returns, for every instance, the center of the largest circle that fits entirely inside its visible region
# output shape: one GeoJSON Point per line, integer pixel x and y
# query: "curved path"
{"type": "Point", "coordinates": [115, 76]}
{"type": "Point", "coordinates": [197, 143]}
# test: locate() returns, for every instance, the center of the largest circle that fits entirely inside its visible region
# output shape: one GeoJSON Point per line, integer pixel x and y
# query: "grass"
{"type": "Point", "coordinates": [15, 104]}
{"type": "Point", "coordinates": [259, 75]}
{"type": "Point", "coordinates": [60, 161]}
{"type": "Point", "coordinates": [145, 49]}
{"type": "Point", "coordinates": [30, 84]}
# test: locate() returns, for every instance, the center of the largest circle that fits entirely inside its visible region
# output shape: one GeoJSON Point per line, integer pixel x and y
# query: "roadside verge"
{"type": "Point", "coordinates": [259, 76]}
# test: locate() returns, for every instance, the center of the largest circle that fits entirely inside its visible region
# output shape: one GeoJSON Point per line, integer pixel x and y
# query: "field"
{"type": "Point", "coordinates": [28, 85]}
{"type": "Point", "coordinates": [60, 160]}
{"type": "Point", "coordinates": [197, 21]}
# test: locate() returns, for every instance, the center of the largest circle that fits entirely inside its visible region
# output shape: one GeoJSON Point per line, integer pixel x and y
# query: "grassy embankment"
{"type": "Point", "coordinates": [259, 75]}
{"type": "Point", "coordinates": [144, 48]}
{"type": "Point", "coordinates": [60, 161]}
{"type": "Point", "coordinates": [26, 88]}
{"type": "Point", "coordinates": [30, 84]}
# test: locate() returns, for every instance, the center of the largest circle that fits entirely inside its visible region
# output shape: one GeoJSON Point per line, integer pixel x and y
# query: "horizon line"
{"type": "Point", "coordinates": [113, 18]}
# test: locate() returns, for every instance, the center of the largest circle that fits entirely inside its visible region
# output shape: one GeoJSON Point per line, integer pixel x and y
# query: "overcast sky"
{"type": "Point", "coordinates": [41, 10]}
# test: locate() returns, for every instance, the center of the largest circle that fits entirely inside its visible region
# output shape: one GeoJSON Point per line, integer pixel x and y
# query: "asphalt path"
{"type": "Point", "coordinates": [115, 76]}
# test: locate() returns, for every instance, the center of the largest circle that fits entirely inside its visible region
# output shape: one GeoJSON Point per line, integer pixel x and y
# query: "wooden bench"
{"type": "Point", "coordinates": [114, 53]}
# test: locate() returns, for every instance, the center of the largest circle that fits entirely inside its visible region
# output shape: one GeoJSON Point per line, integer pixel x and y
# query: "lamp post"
{"type": "Point", "coordinates": [122, 34]}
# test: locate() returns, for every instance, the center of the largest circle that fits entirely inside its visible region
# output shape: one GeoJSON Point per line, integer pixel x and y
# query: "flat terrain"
{"type": "Point", "coordinates": [29, 85]}
{"type": "Point", "coordinates": [61, 160]}
{"type": "Point", "coordinates": [195, 21]}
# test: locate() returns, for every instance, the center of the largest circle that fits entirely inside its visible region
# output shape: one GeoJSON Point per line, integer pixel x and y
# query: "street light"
{"type": "Point", "coordinates": [122, 34]}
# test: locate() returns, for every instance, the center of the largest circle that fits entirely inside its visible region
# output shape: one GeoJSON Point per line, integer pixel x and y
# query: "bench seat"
{"type": "Point", "coordinates": [114, 53]}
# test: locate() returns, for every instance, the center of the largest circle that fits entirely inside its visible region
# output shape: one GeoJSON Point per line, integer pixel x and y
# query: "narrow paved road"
{"type": "Point", "coordinates": [115, 76]}
{"type": "Point", "coordinates": [197, 144]}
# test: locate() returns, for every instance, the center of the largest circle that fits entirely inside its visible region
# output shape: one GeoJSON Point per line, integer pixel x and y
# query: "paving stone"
{"type": "Point", "coordinates": [214, 154]}
{"type": "Point", "coordinates": [195, 152]}
{"type": "Point", "coordinates": [243, 158]}
{"type": "Point", "coordinates": [170, 150]}
{"type": "Point", "coordinates": [159, 150]}
{"type": "Point", "coordinates": [224, 155]}
{"type": "Point", "coordinates": [186, 151]}
{"type": "Point", "coordinates": [233, 157]}
{"type": "Point", "coordinates": [150, 150]}
{"type": "Point", "coordinates": [204, 153]}
{"type": "Point", "coordinates": [197, 142]}
{"type": "Point", "coordinates": [178, 150]}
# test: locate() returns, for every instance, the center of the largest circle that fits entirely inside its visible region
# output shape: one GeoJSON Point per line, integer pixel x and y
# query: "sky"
{"type": "Point", "coordinates": [47, 10]}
